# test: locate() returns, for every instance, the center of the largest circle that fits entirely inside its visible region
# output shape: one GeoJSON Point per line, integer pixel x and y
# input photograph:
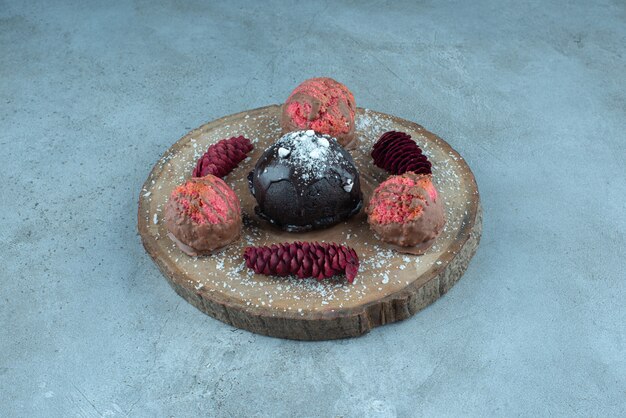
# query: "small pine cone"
{"type": "Point", "coordinates": [222, 158]}
{"type": "Point", "coordinates": [397, 153]}
{"type": "Point", "coordinates": [303, 259]}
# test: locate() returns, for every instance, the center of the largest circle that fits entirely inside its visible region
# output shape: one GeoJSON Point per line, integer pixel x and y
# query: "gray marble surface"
{"type": "Point", "coordinates": [532, 94]}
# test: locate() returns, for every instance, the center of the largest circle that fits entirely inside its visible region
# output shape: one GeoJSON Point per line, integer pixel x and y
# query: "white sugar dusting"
{"type": "Point", "coordinates": [382, 270]}
{"type": "Point", "coordinates": [348, 186]}
{"type": "Point", "coordinates": [315, 154]}
{"type": "Point", "coordinates": [309, 153]}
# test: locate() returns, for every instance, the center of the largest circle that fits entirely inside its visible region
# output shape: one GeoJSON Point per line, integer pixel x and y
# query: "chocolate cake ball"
{"type": "Point", "coordinates": [203, 215]}
{"type": "Point", "coordinates": [324, 105]}
{"type": "Point", "coordinates": [406, 211]}
{"type": "Point", "coordinates": [306, 181]}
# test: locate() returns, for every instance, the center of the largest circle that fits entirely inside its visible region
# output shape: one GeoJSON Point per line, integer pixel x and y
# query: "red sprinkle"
{"type": "Point", "coordinates": [395, 200]}
{"type": "Point", "coordinates": [206, 200]}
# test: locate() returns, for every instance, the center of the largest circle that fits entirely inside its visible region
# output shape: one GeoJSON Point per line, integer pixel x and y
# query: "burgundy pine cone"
{"type": "Point", "coordinates": [221, 158]}
{"type": "Point", "coordinates": [303, 259]}
{"type": "Point", "coordinates": [397, 153]}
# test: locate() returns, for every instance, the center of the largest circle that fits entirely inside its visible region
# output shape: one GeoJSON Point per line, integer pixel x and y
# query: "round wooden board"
{"type": "Point", "coordinates": [389, 287]}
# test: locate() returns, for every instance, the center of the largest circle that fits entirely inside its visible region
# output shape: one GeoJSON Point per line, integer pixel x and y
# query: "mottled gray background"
{"type": "Point", "coordinates": [533, 94]}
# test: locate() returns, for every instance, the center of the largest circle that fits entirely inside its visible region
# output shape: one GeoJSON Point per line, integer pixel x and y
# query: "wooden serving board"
{"type": "Point", "coordinates": [389, 287]}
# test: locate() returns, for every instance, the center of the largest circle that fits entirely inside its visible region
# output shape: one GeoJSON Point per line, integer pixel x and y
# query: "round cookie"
{"type": "Point", "coordinates": [203, 215]}
{"type": "Point", "coordinates": [323, 105]}
{"type": "Point", "coordinates": [407, 212]}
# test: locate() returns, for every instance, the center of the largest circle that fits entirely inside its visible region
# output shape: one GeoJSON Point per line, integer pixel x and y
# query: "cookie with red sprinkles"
{"type": "Point", "coordinates": [203, 215]}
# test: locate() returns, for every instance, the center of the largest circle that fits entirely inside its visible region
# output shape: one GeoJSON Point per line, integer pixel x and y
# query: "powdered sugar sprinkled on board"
{"type": "Point", "coordinates": [381, 268]}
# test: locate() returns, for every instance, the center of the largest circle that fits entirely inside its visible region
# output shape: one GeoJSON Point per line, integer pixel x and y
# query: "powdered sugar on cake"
{"type": "Point", "coordinates": [308, 153]}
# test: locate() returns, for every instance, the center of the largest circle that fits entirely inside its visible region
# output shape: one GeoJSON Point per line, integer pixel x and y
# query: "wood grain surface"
{"type": "Point", "coordinates": [390, 286]}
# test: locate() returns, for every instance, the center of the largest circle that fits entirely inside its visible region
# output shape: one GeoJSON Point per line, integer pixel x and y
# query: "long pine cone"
{"type": "Point", "coordinates": [303, 259]}
{"type": "Point", "coordinates": [397, 153]}
{"type": "Point", "coordinates": [222, 158]}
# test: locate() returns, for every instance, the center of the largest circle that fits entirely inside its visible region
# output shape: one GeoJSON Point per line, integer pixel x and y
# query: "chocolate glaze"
{"type": "Point", "coordinates": [300, 194]}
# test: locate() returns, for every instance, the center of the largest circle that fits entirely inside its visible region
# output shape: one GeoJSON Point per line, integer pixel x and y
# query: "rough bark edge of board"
{"type": "Point", "coordinates": [393, 308]}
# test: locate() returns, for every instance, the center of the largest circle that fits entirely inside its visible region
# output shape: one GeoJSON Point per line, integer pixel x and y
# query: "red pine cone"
{"type": "Point", "coordinates": [221, 158]}
{"type": "Point", "coordinates": [397, 153]}
{"type": "Point", "coordinates": [303, 259]}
